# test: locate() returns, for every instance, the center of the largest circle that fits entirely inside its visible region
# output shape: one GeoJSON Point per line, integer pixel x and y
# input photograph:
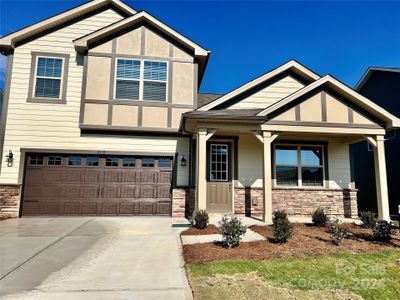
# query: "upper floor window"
{"type": "Point", "coordinates": [48, 77]}
{"type": "Point", "coordinates": [299, 165]}
{"type": "Point", "coordinates": [141, 80]}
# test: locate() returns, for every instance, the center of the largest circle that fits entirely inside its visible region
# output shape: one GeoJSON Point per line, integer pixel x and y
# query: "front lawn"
{"type": "Point", "coordinates": [339, 276]}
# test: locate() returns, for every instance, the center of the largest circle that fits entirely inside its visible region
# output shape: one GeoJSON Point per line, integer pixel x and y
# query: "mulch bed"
{"type": "Point", "coordinates": [210, 229]}
{"type": "Point", "coordinates": [307, 241]}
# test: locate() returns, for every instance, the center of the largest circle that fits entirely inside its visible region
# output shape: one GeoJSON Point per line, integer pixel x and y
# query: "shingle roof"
{"type": "Point", "coordinates": [206, 98]}
{"type": "Point", "coordinates": [250, 114]}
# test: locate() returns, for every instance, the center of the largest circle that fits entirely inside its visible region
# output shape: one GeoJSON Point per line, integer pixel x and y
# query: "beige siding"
{"type": "Point", "coordinates": [337, 112]}
{"type": "Point", "coordinates": [270, 94]}
{"type": "Point", "coordinates": [339, 165]}
{"type": "Point", "coordinates": [182, 83]}
{"type": "Point", "coordinates": [98, 78]}
{"type": "Point", "coordinates": [56, 126]}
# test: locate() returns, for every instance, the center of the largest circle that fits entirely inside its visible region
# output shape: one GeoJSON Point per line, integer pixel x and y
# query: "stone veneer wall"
{"type": "Point", "coordinates": [9, 200]}
{"type": "Point", "coordinates": [183, 201]}
{"type": "Point", "coordinates": [301, 202]}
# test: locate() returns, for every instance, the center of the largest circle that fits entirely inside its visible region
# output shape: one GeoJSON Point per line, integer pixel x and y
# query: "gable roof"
{"type": "Point", "coordinates": [341, 88]}
{"type": "Point", "coordinates": [291, 65]}
{"type": "Point", "coordinates": [205, 98]}
{"type": "Point", "coordinates": [370, 71]}
{"type": "Point", "coordinates": [8, 42]}
{"type": "Point", "coordinates": [83, 42]}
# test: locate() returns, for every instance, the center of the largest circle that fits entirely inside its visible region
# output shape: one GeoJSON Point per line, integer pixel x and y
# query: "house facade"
{"type": "Point", "coordinates": [380, 84]}
{"type": "Point", "coordinates": [102, 116]}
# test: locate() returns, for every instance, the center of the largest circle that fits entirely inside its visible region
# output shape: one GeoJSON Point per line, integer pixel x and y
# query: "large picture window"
{"type": "Point", "coordinates": [299, 165]}
{"type": "Point", "coordinates": [141, 80]}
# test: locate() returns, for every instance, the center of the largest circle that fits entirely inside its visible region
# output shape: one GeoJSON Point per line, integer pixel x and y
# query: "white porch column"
{"type": "Point", "coordinates": [380, 177]}
{"type": "Point", "coordinates": [201, 186]}
{"type": "Point", "coordinates": [268, 138]}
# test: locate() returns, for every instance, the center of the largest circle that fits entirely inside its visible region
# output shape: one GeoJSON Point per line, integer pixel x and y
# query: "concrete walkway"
{"type": "Point", "coordinates": [92, 258]}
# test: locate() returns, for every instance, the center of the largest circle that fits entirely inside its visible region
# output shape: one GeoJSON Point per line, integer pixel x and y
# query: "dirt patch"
{"type": "Point", "coordinates": [210, 229]}
{"type": "Point", "coordinates": [307, 241]}
{"type": "Point", "coordinates": [251, 286]}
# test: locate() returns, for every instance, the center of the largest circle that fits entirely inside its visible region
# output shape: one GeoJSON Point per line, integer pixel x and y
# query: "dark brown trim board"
{"type": "Point", "coordinates": [323, 107]}
{"type": "Point", "coordinates": [83, 92]}
{"type": "Point", "coordinates": [4, 109]}
{"type": "Point", "coordinates": [144, 57]}
{"type": "Point", "coordinates": [63, 92]}
{"type": "Point", "coordinates": [323, 124]}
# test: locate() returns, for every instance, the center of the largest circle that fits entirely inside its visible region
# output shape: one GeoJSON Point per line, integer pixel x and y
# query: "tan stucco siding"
{"type": "Point", "coordinates": [156, 117]}
{"type": "Point", "coordinates": [183, 83]}
{"type": "Point", "coordinates": [155, 44]}
{"type": "Point", "coordinates": [270, 94]}
{"type": "Point", "coordinates": [98, 78]}
{"type": "Point", "coordinates": [250, 156]}
{"type": "Point", "coordinates": [96, 114]}
{"type": "Point", "coordinates": [56, 126]}
{"type": "Point", "coordinates": [311, 110]}
{"type": "Point", "coordinates": [129, 43]}
{"type": "Point", "coordinates": [337, 112]}
{"type": "Point", "coordinates": [176, 116]}
{"type": "Point", "coordinates": [125, 115]}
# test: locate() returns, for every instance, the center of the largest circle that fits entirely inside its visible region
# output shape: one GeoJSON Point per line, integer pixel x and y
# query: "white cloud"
{"type": "Point", "coordinates": [3, 70]}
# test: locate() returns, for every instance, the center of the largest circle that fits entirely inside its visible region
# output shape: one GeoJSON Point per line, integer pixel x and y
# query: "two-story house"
{"type": "Point", "coordinates": [102, 116]}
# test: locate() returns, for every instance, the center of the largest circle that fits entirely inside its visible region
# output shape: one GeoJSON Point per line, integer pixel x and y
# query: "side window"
{"type": "Point", "coordinates": [48, 77]}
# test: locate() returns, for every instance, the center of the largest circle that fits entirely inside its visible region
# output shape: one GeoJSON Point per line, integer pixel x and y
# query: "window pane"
{"type": "Point", "coordinates": [127, 89]}
{"type": "Point", "coordinates": [155, 70]}
{"type": "Point", "coordinates": [47, 88]}
{"type": "Point", "coordinates": [286, 176]}
{"type": "Point", "coordinates": [164, 162]}
{"type": "Point", "coordinates": [74, 161]}
{"type": "Point", "coordinates": [312, 176]}
{"type": "Point", "coordinates": [286, 155]}
{"type": "Point", "coordinates": [311, 156]}
{"type": "Point", "coordinates": [55, 160]}
{"type": "Point", "coordinates": [148, 162]}
{"type": "Point", "coordinates": [112, 161]}
{"type": "Point", "coordinates": [155, 91]}
{"type": "Point", "coordinates": [92, 161]}
{"type": "Point", "coordinates": [219, 162]}
{"type": "Point", "coordinates": [36, 159]}
{"type": "Point", "coordinates": [129, 162]}
{"type": "Point", "coordinates": [49, 67]}
{"type": "Point", "coordinates": [129, 69]}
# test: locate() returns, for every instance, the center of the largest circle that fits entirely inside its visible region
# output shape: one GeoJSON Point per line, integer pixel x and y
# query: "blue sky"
{"type": "Point", "coordinates": [248, 39]}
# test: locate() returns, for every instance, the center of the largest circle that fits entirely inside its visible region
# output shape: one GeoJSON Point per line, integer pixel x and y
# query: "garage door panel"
{"type": "Point", "coordinates": [89, 208]}
{"type": "Point", "coordinates": [123, 188]}
{"type": "Point", "coordinates": [72, 208]}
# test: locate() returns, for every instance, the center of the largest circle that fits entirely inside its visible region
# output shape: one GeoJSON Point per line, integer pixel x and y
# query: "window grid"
{"type": "Point", "coordinates": [299, 166]}
{"type": "Point", "coordinates": [54, 160]}
{"type": "Point", "coordinates": [74, 161]}
{"type": "Point", "coordinates": [142, 80]}
{"type": "Point", "coordinates": [219, 162]}
{"type": "Point", "coordinates": [129, 162]}
{"type": "Point", "coordinates": [111, 161]}
{"type": "Point", "coordinates": [43, 79]}
{"type": "Point", "coordinates": [36, 160]}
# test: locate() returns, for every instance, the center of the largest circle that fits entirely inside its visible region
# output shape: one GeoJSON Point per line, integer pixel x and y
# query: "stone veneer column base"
{"type": "Point", "coordinates": [10, 195]}
{"type": "Point", "coordinates": [298, 201]}
{"type": "Point", "coordinates": [183, 201]}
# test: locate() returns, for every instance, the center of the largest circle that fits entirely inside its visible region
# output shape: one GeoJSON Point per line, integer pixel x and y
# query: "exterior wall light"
{"type": "Point", "coordinates": [10, 159]}
{"type": "Point", "coordinates": [183, 161]}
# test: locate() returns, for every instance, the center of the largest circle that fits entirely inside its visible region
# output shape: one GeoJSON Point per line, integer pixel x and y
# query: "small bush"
{"type": "Point", "coordinates": [200, 219]}
{"type": "Point", "coordinates": [368, 219]}
{"type": "Point", "coordinates": [319, 217]}
{"type": "Point", "coordinates": [282, 228]}
{"type": "Point", "coordinates": [232, 231]}
{"type": "Point", "coordinates": [383, 230]}
{"type": "Point", "coordinates": [337, 231]}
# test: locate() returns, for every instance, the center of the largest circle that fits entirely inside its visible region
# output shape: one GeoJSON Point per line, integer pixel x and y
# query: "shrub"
{"type": "Point", "coordinates": [200, 219]}
{"type": "Point", "coordinates": [337, 231]}
{"type": "Point", "coordinates": [282, 228]}
{"type": "Point", "coordinates": [319, 217]}
{"type": "Point", "coordinates": [383, 230]}
{"type": "Point", "coordinates": [232, 231]}
{"type": "Point", "coordinates": [368, 219]}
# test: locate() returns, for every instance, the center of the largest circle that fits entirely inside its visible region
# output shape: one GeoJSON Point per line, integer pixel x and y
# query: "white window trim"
{"type": "Point", "coordinates": [141, 80]}
{"type": "Point", "coordinates": [45, 77]}
{"type": "Point", "coordinates": [299, 166]}
{"type": "Point", "coordinates": [227, 163]}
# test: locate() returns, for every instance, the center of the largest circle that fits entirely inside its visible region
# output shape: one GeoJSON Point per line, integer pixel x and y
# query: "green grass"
{"type": "Point", "coordinates": [370, 275]}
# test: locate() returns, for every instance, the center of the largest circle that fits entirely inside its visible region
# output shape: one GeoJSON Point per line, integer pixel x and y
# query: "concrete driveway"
{"type": "Point", "coordinates": [92, 258]}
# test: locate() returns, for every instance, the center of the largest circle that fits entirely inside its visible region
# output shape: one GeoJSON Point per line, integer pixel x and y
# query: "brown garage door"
{"type": "Point", "coordinates": [97, 185]}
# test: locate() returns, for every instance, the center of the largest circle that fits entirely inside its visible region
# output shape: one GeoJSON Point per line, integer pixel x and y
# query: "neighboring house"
{"type": "Point", "coordinates": [103, 117]}
{"type": "Point", "coordinates": [382, 85]}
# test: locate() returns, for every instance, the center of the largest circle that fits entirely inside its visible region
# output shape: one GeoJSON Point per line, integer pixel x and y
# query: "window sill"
{"type": "Point", "coordinates": [303, 188]}
{"type": "Point", "coordinates": [46, 100]}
